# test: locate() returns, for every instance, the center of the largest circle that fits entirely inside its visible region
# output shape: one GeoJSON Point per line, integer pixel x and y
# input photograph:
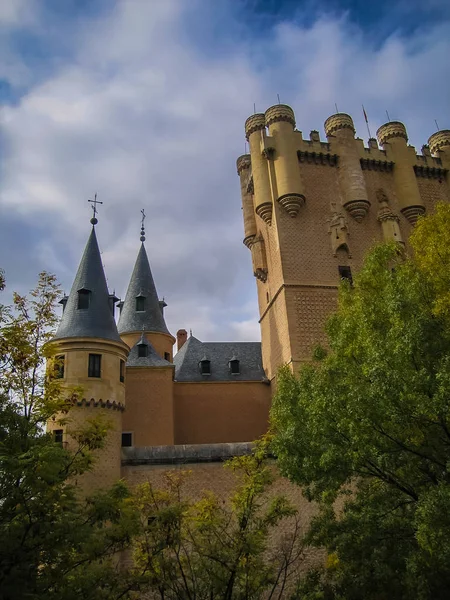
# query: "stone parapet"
{"type": "Point", "coordinates": [393, 129]}
{"type": "Point", "coordinates": [439, 140]}
{"type": "Point", "coordinates": [243, 162]}
{"type": "Point", "coordinates": [279, 112]}
{"type": "Point", "coordinates": [338, 121]}
{"type": "Point", "coordinates": [254, 123]}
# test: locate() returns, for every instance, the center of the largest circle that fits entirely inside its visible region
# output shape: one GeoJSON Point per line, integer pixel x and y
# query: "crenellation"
{"type": "Point", "coordinates": [372, 193]}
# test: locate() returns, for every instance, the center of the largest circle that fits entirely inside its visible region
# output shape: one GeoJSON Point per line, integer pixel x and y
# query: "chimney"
{"type": "Point", "coordinates": [181, 338]}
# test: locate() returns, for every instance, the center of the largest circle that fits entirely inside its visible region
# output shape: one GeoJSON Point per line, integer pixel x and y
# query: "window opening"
{"type": "Point", "coordinates": [127, 440]}
{"type": "Point", "coordinates": [142, 350]}
{"type": "Point", "coordinates": [234, 366]}
{"type": "Point", "coordinates": [59, 367]}
{"type": "Point", "coordinates": [122, 371]}
{"type": "Point", "coordinates": [58, 435]}
{"type": "Point", "coordinates": [140, 303]}
{"type": "Point", "coordinates": [167, 356]}
{"type": "Point", "coordinates": [205, 367]}
{"type": "Point", "coordinates": [346, 273]}
{"type": "Point", "coordinates": [95, 364]}
{"type": "Point", "coordinates": [83, 299]}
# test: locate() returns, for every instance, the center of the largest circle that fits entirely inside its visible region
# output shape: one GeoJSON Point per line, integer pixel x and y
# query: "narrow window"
{"type": "Point", "coordinates": [58, 436]}
{"type": "Point", "coordinates": [83, 299]}
{"type": "Point", "coordinates": [234, 366]}
{"type": "Point", "coordinates": [167, 356]}
{"type": "Point", "coordinates": [346, 273]}
{"type": "Point", "coordinates": [59, 367]}
{"type": "Point", "coordinates": [122, 371]}
{"type": "Point", "coordinates": [140, 304]}
{"type": "Point", "coordinates": [267, 297]}
{"type": "Point", "coordinates": [127, 440]}
{"type": "Point", "coordinates": [95, 364]}
{"type": "Point", "coordinates": [142, 350]}
{"type": "Point", "coordinates": [205, 367]}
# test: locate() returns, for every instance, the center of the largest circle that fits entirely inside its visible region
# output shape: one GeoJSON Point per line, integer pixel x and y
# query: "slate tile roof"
{"type": "Point", "coordinates": [152, 359]}
{"type": "Point", "coordinates": [97, 320]}
{"type": "Point", "coordinates": [142, 284]}
{"type": "Point", "coordinates": [219, 354]}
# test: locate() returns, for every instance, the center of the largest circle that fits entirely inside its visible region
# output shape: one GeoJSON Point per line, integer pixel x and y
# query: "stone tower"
{"type": "Point", "coordinates": [313, 208]}
{"type": "Point", "coordinates": [149, 418]}
{"type": "Point", "coordinates": [92, 355]}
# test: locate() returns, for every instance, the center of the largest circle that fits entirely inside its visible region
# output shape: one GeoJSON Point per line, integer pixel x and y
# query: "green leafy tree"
{"type": "Point", "coordinates": [207, 549]}
{"type": "Point", "coordinates": [53, 543]}
{"type": "Point", "coordinates": [365, 429]}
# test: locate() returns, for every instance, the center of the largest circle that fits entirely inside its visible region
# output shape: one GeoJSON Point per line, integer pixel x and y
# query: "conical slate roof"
{"type": "Point", "coordinates": [97, 319]}
{"type": "Point", "coordinates": [150, 318]}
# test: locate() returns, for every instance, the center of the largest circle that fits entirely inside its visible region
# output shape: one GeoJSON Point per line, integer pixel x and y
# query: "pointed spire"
{"type": "Point", "coordinates": [87, 310]}
{"type": "Point", "coordinates": [141, 309]}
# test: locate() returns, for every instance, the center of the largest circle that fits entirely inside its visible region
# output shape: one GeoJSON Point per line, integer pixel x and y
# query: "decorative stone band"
{"type": "Point", "coordinates": [249, 241]}
{"type": "Point", "coordinates": [430, 172]}
{"type": "Point", "coordinates": [338, 121]}
{"type": "Point", "coordinates": [279, 112]}
{"type": "Point", "coordinates": [261, 274]}
{"type": "Point", "coordinates": [412, 213]}
{"type": "Point", "coordinates": [265, 211]}
{"type": "Point", "coordinates": [391, 130]}
{"type": "Point", "coordinates": [184, 454]}
{"type": "Point", "coordinates": [439, 140]}
{"type": "Point", "coordinates": [317, 158]}
{"type": "Point", "coordinates": [292, 203]}
{"type": "Point", "coordinates": [243, 162]}
{"type": "Point", "coordinates": [370, 164]}
{"type": "Point", "coordinates": [100, 403]}
{"type": "Point", "coordinates": [254, 123]}
{"type": "Point", "coordinates": [386, 214]}
{"type": "Point", "coordinates": [357, 209]}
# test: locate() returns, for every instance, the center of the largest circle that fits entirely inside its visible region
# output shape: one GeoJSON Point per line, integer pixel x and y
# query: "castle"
{"type": "Point", "coordinates": [311, 210]}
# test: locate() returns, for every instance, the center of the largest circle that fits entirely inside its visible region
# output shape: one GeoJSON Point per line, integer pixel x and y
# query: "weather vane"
{"type": "Point", "coordinates": [94, 203]}
{"type": "Point", "coordinates": [142, 238]}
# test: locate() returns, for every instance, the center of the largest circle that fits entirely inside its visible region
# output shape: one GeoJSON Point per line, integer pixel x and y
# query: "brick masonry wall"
{"type": "Point", "coordinates": [210, 412]}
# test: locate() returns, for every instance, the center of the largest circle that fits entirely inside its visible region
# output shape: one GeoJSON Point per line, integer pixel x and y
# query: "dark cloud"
{"type": "Point", "coordinates": [146, 114]}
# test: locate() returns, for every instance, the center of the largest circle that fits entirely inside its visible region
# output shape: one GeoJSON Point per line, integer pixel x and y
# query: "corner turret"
{"type": "Point", "coordinates": [394, 139]}
{"type": "Point", "coordinates": [93, 356]}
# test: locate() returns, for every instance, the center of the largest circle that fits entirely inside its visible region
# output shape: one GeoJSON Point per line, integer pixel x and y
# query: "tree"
{"type": "Point", "coordinates": [54, 544]}
{"type": "Point", "coordinates": [366, 427]}
{"type": "Point", "coordinates": [205, 550]}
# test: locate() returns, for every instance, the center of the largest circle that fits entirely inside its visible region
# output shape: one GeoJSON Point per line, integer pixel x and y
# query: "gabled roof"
{"type": "Point", "coordinates": [97, 320]}
{"type": "Point", "coordinates": [219, 354]}
{"type": "Point", "coordinates": [141, 284]}
{"type": "Point", "coordinates": [152, 359]}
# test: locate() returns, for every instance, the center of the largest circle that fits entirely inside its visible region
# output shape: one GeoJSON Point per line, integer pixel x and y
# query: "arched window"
{"type": "Point", "coordinates": [84, 297]}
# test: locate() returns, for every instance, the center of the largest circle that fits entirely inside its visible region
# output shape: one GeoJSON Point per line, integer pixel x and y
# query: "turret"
{"type": "Point", "coordinates": [149, 420]}
{"type": "Point", "coordinates": [141, 309]}
{"type": "Point", "coordinates": [288, 186]}
{"type": "Point", "coordinates": [394, 139]}
{"type": "Point", "coordinates": [255, 131]}
{"type": "Point", "coordinates": [340, 132]}
{"type": "Point", "coordinates": [244, 171]}
{"type": "Point", "coordinates": [92, 355]}
{"type": "Point", "coordinates": [439, 144]}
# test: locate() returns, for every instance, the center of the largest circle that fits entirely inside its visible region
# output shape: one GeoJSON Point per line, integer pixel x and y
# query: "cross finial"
{"type": "Point", "coordinates": [94, 203]}
{"type": "Point", "coordinates": [142, 238]}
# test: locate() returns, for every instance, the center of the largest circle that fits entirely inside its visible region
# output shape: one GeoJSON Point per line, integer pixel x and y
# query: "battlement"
{"type": "Point", "coordinates": [312, 208]}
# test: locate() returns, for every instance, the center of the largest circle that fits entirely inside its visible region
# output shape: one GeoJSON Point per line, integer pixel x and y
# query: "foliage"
{"type": "Point", "coordinates": [366, 427]}
{"type": "Point", "coordinates": [54, 544]}
{"type": "Point", "coordinates": [205, 549]}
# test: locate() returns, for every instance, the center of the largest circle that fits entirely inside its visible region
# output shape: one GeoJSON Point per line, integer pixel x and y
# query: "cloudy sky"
{"type": "Point", "coordinates": [144, 102]}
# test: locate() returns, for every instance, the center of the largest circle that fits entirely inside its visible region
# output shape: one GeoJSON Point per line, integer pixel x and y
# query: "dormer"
{"type": "Point", "coordinates": [205, 366]}
{"type": "Point", "coordinates": [84, 298]}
